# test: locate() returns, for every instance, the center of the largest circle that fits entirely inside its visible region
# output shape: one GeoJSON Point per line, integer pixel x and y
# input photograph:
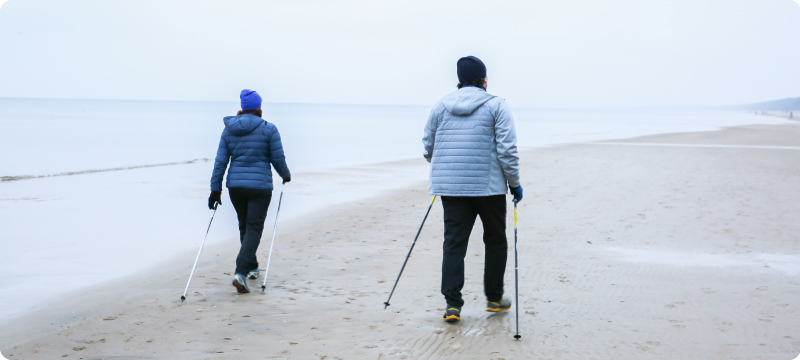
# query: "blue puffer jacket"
{"type": "Point", "coordinates": [250, 144]}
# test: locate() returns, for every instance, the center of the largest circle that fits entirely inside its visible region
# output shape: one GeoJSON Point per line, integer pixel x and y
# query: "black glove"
{"type": "Point", "coordinates": [517, 191]}
{"type": "Point", "coordinates": [285, 180]}
{"type": "Point", "coordinates": [214, 199]}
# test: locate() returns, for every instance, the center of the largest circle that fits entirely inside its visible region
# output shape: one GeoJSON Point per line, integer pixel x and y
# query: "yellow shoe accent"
{"type": "Point", "coordinates": [498, 308]}
{"type": "Point", "coordinates": [452, 318]}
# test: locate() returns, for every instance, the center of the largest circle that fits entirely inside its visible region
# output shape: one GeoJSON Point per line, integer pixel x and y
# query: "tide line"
{"type": "Point", "coordinates": [703, 145]}
{"type": "Point", "coordinates": [82, 172]}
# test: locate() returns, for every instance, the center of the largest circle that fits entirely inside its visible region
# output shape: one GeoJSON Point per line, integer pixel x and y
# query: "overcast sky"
{"type": "Point", "coordinates": [557, 53]}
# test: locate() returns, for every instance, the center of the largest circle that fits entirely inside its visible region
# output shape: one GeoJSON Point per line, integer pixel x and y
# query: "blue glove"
{"type": "Point", "coordinates": [517, 191]}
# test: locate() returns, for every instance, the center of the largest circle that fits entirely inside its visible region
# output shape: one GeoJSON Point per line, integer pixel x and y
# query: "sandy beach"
{"type": "Point", "coordinates": [675, 246]}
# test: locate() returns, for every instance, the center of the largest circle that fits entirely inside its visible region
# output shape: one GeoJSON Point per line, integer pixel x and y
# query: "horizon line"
{"type": "Point", "coordinates": [694, 107]}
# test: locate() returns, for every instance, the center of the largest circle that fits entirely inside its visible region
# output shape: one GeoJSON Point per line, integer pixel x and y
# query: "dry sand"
{"type": "Point", "coordinates": [626, 252]}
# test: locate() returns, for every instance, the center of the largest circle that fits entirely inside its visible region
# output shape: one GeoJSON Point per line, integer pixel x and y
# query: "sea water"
{"type": "Point", "coordinates": [64, 233]}
{"type": "Point", "coordinates": [41, 137]}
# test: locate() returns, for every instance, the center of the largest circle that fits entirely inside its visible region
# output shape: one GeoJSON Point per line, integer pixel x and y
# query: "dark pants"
{"type": "Point", "coordinates": [251, 208]}
{"type": "Point", "coordinates": [459, 217]}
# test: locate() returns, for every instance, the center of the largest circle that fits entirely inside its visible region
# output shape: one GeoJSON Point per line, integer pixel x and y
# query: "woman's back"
{"type": "Point", "coordinates": [251, 145]}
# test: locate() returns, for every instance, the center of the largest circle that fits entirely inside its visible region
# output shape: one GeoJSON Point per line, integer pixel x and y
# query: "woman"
{"type": "Point", "coordinates": [250, 144]}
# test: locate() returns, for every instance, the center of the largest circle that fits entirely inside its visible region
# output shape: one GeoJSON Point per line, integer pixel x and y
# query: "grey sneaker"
{"type": "Point", "coordinates": [240, 283]}
{"type": "Point", "coordinates": [502, 305]}
{"type": "Point", "coordinates": [254, 274]}
{"type": "Point", "coordinates": [452, 314]}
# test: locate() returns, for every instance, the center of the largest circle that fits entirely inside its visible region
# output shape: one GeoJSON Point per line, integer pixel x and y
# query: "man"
{"type": "Point", "coordinates": [471, 144]}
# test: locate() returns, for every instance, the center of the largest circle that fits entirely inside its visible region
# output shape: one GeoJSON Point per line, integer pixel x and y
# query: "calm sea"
{"type": "Point", "coordinates": [50, 136]}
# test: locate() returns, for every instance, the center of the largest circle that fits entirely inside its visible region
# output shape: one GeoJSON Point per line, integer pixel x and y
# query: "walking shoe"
{"type": "Point", "coordinates": [240, 283]}
{"type": "Point", "coordinates": [254, 274]}
{"type": "Point", "coordinates": [502, 305]}
{"type": "Point", "coordinates": [453, 314]}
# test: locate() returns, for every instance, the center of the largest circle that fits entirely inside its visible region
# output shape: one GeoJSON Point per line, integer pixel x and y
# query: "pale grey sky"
{"type": "Point", "coordinates": [565, 53]}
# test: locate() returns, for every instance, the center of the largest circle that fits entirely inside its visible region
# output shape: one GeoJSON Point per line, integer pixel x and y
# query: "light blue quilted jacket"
{"type": "Point", "coordinates": [250, 144]}
{"type": "Point", "coordinates": [471, 144]}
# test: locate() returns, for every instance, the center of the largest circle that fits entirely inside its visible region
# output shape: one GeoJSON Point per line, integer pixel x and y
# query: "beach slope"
{"type": "Point", "coordinates": [670, 246]}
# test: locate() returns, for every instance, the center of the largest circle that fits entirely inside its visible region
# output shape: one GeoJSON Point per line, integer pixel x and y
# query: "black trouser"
{"type": "Point", "coordinates": [459, 217]}
{"type": "Point", "coordinates": [251, 208]}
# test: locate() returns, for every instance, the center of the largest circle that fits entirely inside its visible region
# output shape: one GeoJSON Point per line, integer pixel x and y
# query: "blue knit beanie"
{"type": "Point", "coordinates": [250, 99]}
{"type": "Point", "coordinates": [470, 68]}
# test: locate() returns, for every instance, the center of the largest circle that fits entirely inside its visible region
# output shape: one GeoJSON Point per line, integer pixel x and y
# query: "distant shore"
{"type": "Point", "coordinates": [791, 115]}
{"type": "Point", "coordinates": [626, 252]}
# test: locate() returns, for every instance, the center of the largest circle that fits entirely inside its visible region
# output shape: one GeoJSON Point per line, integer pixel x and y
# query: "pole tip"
{"type": "Point", "coordinates": [183, 298]}
{"type": "Point", "coordinates": [517, 337]}
{"type": "Point", "coordinates": [263, 288]}
{"type": "Point", "coordinates": [387, 305]}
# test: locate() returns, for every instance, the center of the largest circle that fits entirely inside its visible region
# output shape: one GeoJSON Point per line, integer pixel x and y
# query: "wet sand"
{"type": "Point", "coordinates": [628, 249]}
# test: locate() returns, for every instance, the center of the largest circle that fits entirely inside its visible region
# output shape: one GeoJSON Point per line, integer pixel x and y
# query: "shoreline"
{"type": "Point", "coordinates": [332, 270]}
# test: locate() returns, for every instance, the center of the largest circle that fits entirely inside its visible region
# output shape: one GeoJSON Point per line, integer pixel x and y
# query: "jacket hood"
{"type": "Point", "coordinates": [466, 100]}
{"type": "Point", "coordinates": [241, 125]}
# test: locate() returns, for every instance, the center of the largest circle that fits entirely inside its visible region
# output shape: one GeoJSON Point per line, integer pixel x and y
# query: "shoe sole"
{"type": "Point", "coordinates": [239, 287]}
{"type": "Point", "coordinates": [498, 309]}
{"type": "Point", "coordinates": [452, 318]}
{"type": "Point", "coordinates": [251, 277]}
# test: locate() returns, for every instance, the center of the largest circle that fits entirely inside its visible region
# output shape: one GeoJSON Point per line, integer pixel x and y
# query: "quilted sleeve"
{"type": "Point", "coordinates": [276, 156]}
{"type": "Point", "coordinates": [429, 136]}
{"type": "Point", "coordinates": [220, 162]}
{"type": "Point", "coordinates": [506, 138]}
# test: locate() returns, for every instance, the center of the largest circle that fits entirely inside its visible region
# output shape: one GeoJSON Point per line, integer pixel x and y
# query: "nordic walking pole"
{"type": "Point", "coordinates": [516, 271]}
{"type": "Point", "coordinates": [274, 229]}
{"type": "Point", "coordinates": [183, 297]}
{"type": "Point", "coordinates": [409, 253]}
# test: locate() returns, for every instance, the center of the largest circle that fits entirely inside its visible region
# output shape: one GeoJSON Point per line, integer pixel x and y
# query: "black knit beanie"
{"type": "Point", "coordinates": [470, 68]}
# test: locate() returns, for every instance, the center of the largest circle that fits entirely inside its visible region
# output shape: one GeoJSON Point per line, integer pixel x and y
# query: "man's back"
{"type": "Point", "coordinates": [471, 143]}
